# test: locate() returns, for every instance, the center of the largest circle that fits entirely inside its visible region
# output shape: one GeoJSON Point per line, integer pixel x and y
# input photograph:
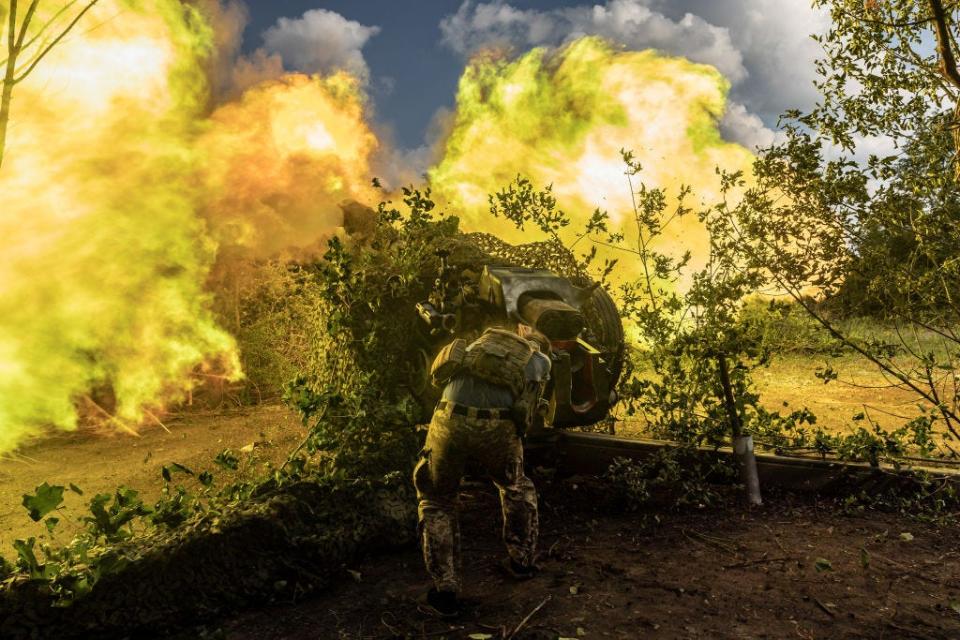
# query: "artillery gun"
{"type": "Point", "coordinates": [578, 316]}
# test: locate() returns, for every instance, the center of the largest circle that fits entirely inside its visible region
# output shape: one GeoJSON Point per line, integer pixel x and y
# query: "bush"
{"type": "Point", "coordinates": [782, 328]}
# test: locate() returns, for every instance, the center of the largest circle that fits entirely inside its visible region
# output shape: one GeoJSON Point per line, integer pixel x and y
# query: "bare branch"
{"type": "Point", "coordinates": [26, 24]}
{"type": "Point", "coordinates": [36, 36]}
{"type": "Point", "coordinates": [55, 42]}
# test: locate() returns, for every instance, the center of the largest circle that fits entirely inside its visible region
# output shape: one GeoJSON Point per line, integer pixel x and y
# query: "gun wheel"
{"type": "Point", "coordinates": [607, 326]}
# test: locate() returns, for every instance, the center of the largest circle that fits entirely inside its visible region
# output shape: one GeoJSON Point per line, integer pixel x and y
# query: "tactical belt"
{"type": "Point", "coordinates": [474, 412]}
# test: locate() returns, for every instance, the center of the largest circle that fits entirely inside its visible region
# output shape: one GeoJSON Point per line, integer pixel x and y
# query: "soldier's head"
{"type": "Point", "coordinates": [527, 332]}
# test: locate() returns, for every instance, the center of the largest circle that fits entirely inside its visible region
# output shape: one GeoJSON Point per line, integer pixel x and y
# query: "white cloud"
{"type": "Point", "coordinates": [773, 37]}
{"type": "Point", "coordinates": [762, 46]}
{"type": "Point", "coordinates": [747, 128]}
{"type": "Point", "coordinates": [629, 22]}
{"type": "Point", "coordinates": [320, 41]}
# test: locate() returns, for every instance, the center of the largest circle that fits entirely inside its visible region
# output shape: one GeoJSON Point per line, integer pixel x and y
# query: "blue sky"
{"type": "Point", "coordinates": [413, 73]}
{"type": "Point", "coordinates": [413, 51]}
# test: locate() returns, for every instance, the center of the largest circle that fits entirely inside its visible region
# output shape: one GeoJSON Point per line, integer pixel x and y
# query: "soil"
{"type": "Point", "coordinates": [794, 568]}
{"type": "Point", "coordinates": [99, 462]}
{"type": "Point", "coordinates": [790, 569]}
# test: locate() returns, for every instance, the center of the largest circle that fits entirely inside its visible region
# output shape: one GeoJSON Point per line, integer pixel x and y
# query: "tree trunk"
{"type": "Point", "coordinates": [948, 67]}
{"type": "Point", "coordinates": [5, 95]}
{"type": "Point", "coordinates": [742, 444]}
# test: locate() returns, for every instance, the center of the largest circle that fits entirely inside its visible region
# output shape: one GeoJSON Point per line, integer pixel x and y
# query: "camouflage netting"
{"type": "Point", "coordinates": [534, 255]}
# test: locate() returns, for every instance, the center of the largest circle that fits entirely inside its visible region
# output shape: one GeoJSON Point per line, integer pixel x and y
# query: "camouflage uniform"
{"type": "Point", "coordinates": [453, 440]}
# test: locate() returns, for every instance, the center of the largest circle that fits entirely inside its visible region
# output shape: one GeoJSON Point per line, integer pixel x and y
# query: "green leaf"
{"type": "Point", "coordinates": [205, 478]}
{"type": "Point", "coordinates": [77, 490]}
{"type": "Point", "coordinates": [228, 460]}
{"type": "Point", "coordinates": [822, 564]}
{"type": "Point", "coordinates": [46, 499]}
{"type": "Point", "coordinates": [167, 472]}
{"type": "Point", "coordinates": [26, 558]}
{"type": "Point", "coordinates": [51, 523]}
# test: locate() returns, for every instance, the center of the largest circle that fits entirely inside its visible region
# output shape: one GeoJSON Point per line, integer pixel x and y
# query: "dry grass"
{"type": "Point", "coordinates": [789, 383]}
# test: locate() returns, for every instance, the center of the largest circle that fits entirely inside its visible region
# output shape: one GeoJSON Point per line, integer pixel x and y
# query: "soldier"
{"type": "Point", "coordinates": [491, 391]}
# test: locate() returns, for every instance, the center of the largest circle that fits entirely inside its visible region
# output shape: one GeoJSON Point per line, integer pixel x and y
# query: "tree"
{"type": "Point", "coordinates": [888, 227]}
{"type": "Point", "coordinates": [28, 44]}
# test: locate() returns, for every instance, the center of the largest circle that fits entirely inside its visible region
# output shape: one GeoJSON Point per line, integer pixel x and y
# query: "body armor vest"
{"type": "Point", "coordinates": [498, 356]}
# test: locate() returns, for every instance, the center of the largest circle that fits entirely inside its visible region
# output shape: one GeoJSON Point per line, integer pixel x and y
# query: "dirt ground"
{"type": "Point", "coordinates": [99, 463]}
{"type": "Point", "coordinates": [791, 569]}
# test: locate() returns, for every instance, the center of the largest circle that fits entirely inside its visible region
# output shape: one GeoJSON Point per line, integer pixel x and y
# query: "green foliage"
{"type": "Point", "coordinates": [916, 495]}
{"type": "Point", "coordinates": [226, 459]}
{"type": "Point", "coordinates": [112, 515]}
{"type": "Point", "coordinates": [782, 328]}
{"type": "Point", "coordinates": [797, 432]}
{"type": "Point", "coordinates": [675, 478]}
{"type": "Point", "coordinates": [278, 544]}
{"type": "Point", "coordinates": [878, 236]}
{"type": "Point", "coordinates": [520, 203]}
{"type": "Point", "coordinates": [688, 323]}
{"type": "Point", "coordinates": [355, 388]}
{"type": "Point", "coordinates": [27, 560]}
{"type": "Point", "coordinates": [45, 499]}
{"type": "Point", "coordinates": [69, 571]}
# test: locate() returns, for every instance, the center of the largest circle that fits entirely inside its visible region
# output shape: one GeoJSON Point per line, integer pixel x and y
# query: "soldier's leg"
{"type": "Point", "coordinates": [518, 499]}
{"type": "Point", "coordinates": [437, 478]}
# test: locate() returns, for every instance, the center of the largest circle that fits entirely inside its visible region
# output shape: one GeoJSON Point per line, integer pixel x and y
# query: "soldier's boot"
{"type": "Point", "coordinates": [518, 571]}
{"type": "Point", "coordinates": [443, 604]}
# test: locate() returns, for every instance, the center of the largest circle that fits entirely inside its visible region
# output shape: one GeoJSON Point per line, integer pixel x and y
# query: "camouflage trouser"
{"type": "Point", "coordinates": [453, 441]}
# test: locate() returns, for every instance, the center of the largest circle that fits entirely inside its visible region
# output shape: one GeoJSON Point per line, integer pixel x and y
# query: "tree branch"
{"type": "Point", "coordinates": [55, 42]}
{"type": "Point", "coordinates": [11, 37]}
{"type": "Point", "coordinates": [948, 63]}
{"type": "Point", "coordinates": [883, 23]}
{"type": "Point", "coordinates": [42, 29]}
{"type": "Point", "coordinates": [26, 23]}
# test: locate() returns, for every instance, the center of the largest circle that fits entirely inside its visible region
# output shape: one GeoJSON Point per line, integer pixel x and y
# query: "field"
{"type": "Point", "coordinates": [788, 383]}
{"type": "Point", "coordinates": [799, 348]}
{"type": "Point", "coordinates": [859, 388]}
{"type": "Point", "coordinates": [798, 567]}
{"type": "Point", "coordinates": [100, 462]}
{"type": "Point", "coordinates": [761, 573]}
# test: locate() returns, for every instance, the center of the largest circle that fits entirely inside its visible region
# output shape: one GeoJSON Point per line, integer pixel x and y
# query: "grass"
{"type": "Point", "coordinates": [860, 396]}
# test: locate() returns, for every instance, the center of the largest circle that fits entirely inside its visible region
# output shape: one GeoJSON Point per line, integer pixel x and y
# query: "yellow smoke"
{"type": "Point", "coordinates": [561, 118]}
{"type": "Point", "coordinates": [103, 257]}
{"type": "Point", "coordinates": [121, 185]}
{"type": "Point", "coordinates": [282, 158]}
{"type": "Point", "coordinates": [119, 189]}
